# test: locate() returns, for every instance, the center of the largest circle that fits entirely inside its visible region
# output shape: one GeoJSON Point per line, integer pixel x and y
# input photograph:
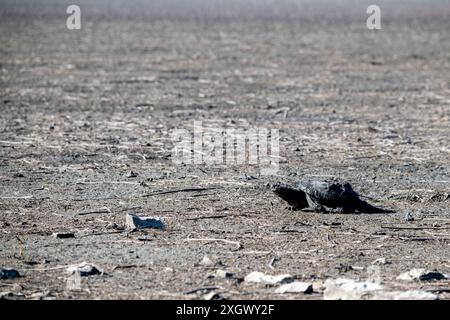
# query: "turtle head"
{"type": "Point", "coordinates": [280, 189]}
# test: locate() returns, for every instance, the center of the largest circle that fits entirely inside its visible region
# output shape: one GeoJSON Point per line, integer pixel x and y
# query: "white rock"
{"type": "Point", "coordinates": [421, 275]}
{"type": "Point", "coordinates": [295, 287]}
{"type": "Point", "coordinates": [84, 269]}
{"type": "Point", "coordinates": [403, 295]}
{"type": "Point", "coordinates": [222, 274]}
{"type": "Point", "coordinates": [380, 261]}
{"type": "Point", "coordinates": [348, 289]}
{"type": "Point", "coordinates": [134, 222]}
{"type": "Point", "coordinates": [259, 277]}
{"type": "Point", "coordinates": [206, 262]}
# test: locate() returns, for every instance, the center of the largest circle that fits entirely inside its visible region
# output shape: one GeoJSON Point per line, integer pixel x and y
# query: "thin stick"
{"type": "Point", "coordinates": [175, 191]}
{"type": "Point", "coordinates": [209, 217]}
{"type": "Point", "coordinates": [127, 266]}
{"type": "Point", "coordinates": [23, 197]}
{"type": "Point", "coordinates": [101, 210]}
{"type": "Point", "coordinates": [200, 289]}
{"type": "Point", "coordinates": [413, 228]}
{"type": "Point", "coordinates": [214, 239]}
{"type": "Point", "coordinates": [101, 233]}
{"type": "Point", "coordinates": [107, 182]}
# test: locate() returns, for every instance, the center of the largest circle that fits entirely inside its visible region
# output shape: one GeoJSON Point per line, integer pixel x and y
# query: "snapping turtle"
{"type": "Point", "coordinates": [324, 196]}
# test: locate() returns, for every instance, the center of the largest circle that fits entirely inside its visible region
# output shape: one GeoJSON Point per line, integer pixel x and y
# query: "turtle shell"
{"type": "Point", "coordinates": [329, 193]}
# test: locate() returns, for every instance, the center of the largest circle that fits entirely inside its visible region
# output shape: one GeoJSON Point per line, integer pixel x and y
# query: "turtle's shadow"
{"type": "Point", "coordinates": [355, 212]}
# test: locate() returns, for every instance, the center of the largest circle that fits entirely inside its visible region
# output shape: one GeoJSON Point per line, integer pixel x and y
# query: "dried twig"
{"type": "Point", "coordinates": [176, 191]}
{"type": "Point", "coordinates": [101, 233]}
{"type": "Point", "coordinates": [209, 217]}
{"type": "Point", "coordinates": [127, 266]}
{"type": "Point", "coordinates": [107, 182]}
{"type": "Point", "coordinates": [414, 228]}
{"type": "Point", "coordinates": [214, 239]}
{"type": "Point", "coordinates": [18, 197]}
{"type": "Point", "coordinates": [200, 289]}
{"type": "Point", "coordinates": [101, 210]}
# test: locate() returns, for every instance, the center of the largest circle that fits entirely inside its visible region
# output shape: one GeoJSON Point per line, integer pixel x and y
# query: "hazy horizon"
{"type": "Point", "coordinates": [232, 8]}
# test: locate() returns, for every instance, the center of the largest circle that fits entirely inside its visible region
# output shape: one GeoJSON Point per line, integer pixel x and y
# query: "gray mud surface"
{"type": "Point", "coordinates": [82, 109]}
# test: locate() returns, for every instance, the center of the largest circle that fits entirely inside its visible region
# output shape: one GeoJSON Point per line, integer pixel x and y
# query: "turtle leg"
{"type": "Point", "coordinates": [339, 210]}
{"type": "Point", "coordinates": [314, 205]}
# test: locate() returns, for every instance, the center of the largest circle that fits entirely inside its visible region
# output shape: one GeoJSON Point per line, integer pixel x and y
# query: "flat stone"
{"type": "Point", "coordinates": [422, 275]}
{"type": "Point", "coordinates": [259, 277]}
{"type": "Point", "coordinates": [84, 269]}
{"type": "Point", "coordinates": [8, 273]}
{"type": "Point", "coordinates": [222, 274]}
{"type": "Point", "coordinates": [380, 261]}
{"type": "Point", "coordinates": [295, 287]}
{"type": "Point", "coordinates": [206, 262]}
{"type": "Point", "coordinates": [134, 222]}
{"type": "Point", "coordinates": [7, 295]}
{"type": "Point", "coordinates": [348, 289]}
{"type": "Point", "coordinates": [403, 295]}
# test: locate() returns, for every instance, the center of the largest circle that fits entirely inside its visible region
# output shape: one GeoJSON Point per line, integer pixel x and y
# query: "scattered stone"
{"type": "Point", "coordinates": [213, 296]}
{"type": "Point", "coordinates": [203, 290]}
{"type": "Point", "coordinates": [222, 274]}
{"type": "Point", "coordinates": [295, 287]}
{"type": "Point", "coordinates": [380, 262]}
{"type": "Point", "coordinates": [143, 238]}
{"type": "Point", "coordinates": [115, 226]}
{"type": "Point", "coordinates": [259, 277]}
{"type": "Point", "coordinates": [132, 174]}
{"type": "Point", "coordinates": [9, 274]}
{"type": "Point", "coordinates": [7, 295]}
{"type": "Point", "coordinates": [422, 275]}
{"type": "Point", "coordinates": [403, 295]}
{"type": "Point", "coordinates": [134, 222]}
{"type": "Point", "coordinates": [64, 235]}
{"type": "Point", "coordinates": [318, 286]}
{"type": "Point", "coordinates": [206, 262]}
{"type": "Point", "coordinates": [41, 296]}
{"type": "Point", "coordinates": [348, 289]}
{"type": "Point", "coordinates": [409, 217]}
{"type": "Point", "coordinates": [84, 269]}
{"type": "Point", "coordinates": [247, 177]}
{"type": "Point", "coordinates": [343, 268]}
{"type": "Point", "coordinates": [440, 197]}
